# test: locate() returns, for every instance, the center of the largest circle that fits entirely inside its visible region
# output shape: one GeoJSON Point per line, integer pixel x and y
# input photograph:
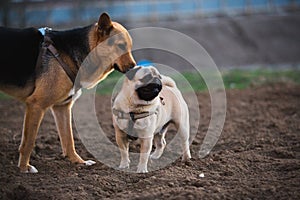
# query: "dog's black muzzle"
{"type": "Point", "coordinates": [150, 90]}
{"type": "Point", "coordinates": [128, 67]}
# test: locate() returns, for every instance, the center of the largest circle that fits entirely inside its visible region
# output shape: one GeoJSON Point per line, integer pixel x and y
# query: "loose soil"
{"type": "Point", "coordinates": [257, 156]}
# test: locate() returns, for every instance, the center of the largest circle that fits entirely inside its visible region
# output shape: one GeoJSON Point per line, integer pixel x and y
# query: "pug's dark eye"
{"type": "Point", "coordinates": [122, 46]}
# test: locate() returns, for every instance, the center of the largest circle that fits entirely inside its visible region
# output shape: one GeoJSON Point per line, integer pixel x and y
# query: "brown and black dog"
{"type": "Point", "coordinates": [48, 85]}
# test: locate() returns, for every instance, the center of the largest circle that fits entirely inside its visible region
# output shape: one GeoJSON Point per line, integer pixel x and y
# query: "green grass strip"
{"type": "Point", "coordinates": [233, 79]}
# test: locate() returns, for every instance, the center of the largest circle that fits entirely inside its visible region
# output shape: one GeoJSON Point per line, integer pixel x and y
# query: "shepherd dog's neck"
{"type": "Point", "coordinates": [74, 43]}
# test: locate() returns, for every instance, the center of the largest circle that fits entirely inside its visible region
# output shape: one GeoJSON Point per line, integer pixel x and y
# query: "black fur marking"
{"type": "Point", "coordinates": [150, 90]}
{"type": "Point", "coordinates": [20, 50]}
{"type": "Point", "coordinates": [131, 73]}
{"type": "Point", "coordinates": [18, 55]}
{"type": "Point", "coordinates": [104, 24]}
{"type": "Point", "coordinates": [116, 67]}
{"type": "Point", "coordinates": [73, 42]}
{"type": "Point", "coordinates": [146, 78]}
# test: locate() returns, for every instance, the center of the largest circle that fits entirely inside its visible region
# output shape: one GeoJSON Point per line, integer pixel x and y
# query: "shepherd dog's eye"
{"type": "Point", "coordinates": [111, 41]}
{"type": "Point", "coordinates": [122, 46]}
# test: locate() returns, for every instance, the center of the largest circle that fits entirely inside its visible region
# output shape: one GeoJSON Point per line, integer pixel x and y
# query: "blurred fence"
{"type": "Point", "coordinates": [21, 13]}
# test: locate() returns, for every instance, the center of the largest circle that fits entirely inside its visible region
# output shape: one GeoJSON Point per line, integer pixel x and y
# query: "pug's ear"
{"type": "Point", "coordinates": [131, 73]}
{"type": "Point", "coordinates": [104, 24]}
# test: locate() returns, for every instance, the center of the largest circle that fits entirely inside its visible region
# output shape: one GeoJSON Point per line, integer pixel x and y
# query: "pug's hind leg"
{"type": "Point", "coordinates": [184, 134]}
{"type": "Point", "coordinates": [160, 144]}
{"type": "Point", "coordinates": [123, 144]}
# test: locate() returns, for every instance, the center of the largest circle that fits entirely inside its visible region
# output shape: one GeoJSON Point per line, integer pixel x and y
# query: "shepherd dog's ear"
{"type": "Point", "coordinates": [104, 24]}
{"type": "Point", "coordinates": [131, 73]}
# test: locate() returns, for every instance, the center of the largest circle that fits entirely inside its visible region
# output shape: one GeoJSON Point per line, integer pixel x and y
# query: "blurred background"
{"type": "Point", "coordinates": [236, 33]}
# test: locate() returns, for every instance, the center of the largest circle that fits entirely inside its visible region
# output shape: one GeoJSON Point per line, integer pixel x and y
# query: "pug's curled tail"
{"type": "Point", "coordinates": [167, 81]}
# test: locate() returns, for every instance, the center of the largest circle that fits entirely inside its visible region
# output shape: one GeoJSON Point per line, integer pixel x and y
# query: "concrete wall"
{"type": "Point", "coordinates": [258, 40]}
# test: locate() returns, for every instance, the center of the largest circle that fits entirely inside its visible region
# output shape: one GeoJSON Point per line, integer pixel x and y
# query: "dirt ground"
{"type": "Point", "coordinates": [257, 156]}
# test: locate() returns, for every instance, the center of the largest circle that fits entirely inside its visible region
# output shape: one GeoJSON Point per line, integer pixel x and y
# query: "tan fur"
{"type": "Point", "coordinates": [167, 81]}
{"type": "Point", "coordinates": [52, 88]}
{"type": "Point", "coordinates": [152, 128]}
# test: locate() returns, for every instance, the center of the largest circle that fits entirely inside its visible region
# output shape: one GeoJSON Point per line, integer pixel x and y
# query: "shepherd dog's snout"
{"type": "Point", "coordinates": [150, 90]}
{"type": "Point", "coordinates": [127, 67]}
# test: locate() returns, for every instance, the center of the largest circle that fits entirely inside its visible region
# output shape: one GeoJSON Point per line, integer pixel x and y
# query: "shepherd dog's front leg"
{"type": "Point", "coordinates": [33, 117]}
{"type": "Point", "coordinates": [63, 118]}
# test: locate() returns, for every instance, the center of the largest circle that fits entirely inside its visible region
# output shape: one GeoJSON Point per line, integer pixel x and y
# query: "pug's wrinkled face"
{"type": "Point", "coordinates": [146, 82]}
